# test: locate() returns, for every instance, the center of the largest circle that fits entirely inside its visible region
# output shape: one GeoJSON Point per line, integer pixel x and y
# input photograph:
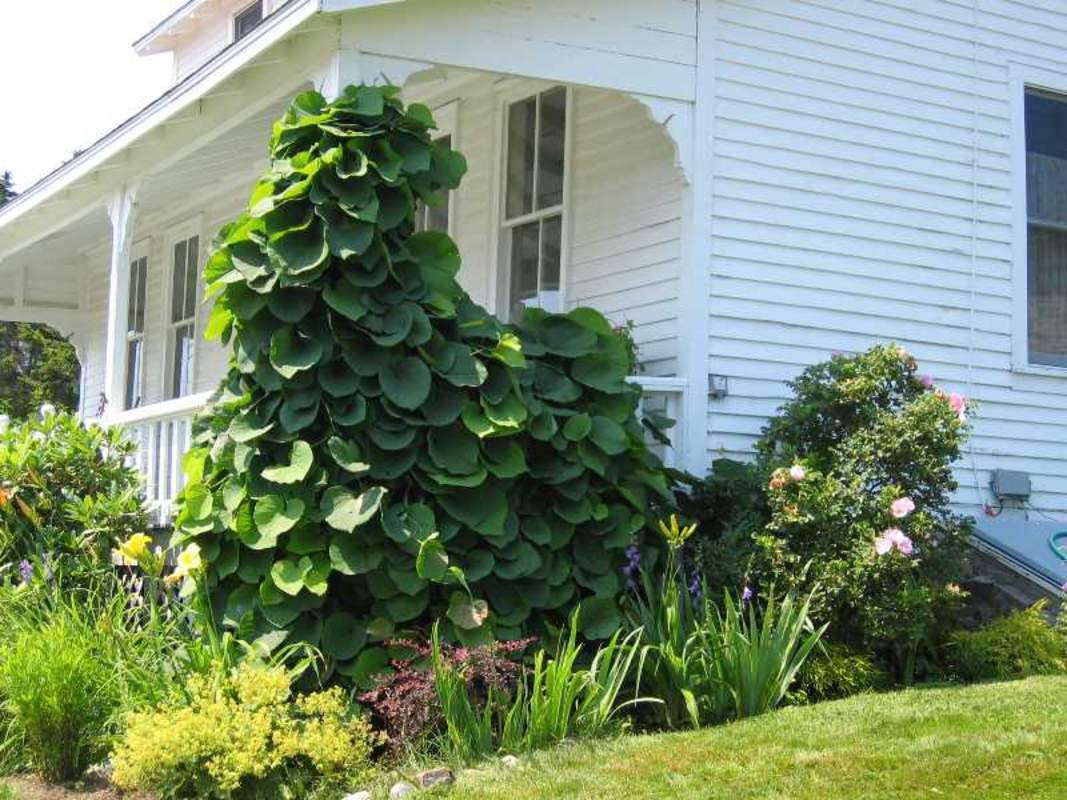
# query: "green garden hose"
{"type": "Point", "coordinates": [1057, 548]}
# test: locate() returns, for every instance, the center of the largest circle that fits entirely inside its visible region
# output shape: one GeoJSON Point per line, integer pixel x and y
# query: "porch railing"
{"type": "Point", "coordinates": [163, 434]}
{"type": "Point", "coordinates": [665, 397]}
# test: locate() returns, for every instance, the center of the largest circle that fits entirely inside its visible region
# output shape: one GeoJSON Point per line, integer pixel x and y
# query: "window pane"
{"type": "Point", "coordinates": [551, 247]}
{"type": "Point", "coordinates": [135, 293]}
{"type": "Point", "coordinates": [181, 376]}
{"type": "Point", "coordinates": [245, 22]}
{"type": "Point", "coordinates": [522, 130]}
{"type": "Point", "coordinates": [550, 148]}
{"type": "Point", "coordinates": [1047, 282]}
{"type": "Point", "coordinates": [142, 293]}
{"type": "Point", "coordinates": [524, 258]}
{"type": "Point", "coordinates": [134, 369]}
{"type": "Point", "coordinates": [191, 277]}
{"type": "Point", "coordinates": [177, 288]}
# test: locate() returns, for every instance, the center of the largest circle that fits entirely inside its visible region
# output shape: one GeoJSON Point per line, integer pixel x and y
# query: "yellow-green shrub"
{"type": "Point", "coordinates": [247, 738]}
{"type": "Point", "coordinates": [1020, 644]}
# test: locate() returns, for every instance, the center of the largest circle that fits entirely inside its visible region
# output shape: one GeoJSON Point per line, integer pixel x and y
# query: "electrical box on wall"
{"type": "Point", "coordinates": [1009, 484]}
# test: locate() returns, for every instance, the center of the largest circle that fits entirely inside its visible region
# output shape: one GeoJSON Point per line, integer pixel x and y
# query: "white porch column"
{"type": "Point", "coordinates": [342, 68]}
{"type": "Point", "coordinates": [121, 211]}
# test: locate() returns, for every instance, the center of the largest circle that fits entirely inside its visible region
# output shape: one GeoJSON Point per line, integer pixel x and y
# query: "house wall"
{"type": "Point", "coordinates": [211, 34]}
{"type": "Point", "coordinates": [623, 216]}
{"type": "Point", "coordinates": [863, 192]}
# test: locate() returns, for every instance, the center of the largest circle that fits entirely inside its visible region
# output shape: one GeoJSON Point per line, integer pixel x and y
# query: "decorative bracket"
{"type": "Point", "coordinates": [676, 119]}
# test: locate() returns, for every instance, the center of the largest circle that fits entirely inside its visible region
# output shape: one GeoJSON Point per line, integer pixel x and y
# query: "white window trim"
{"type": "Point", "coordinates": [140, 249]}
{"type": "Point", "coordinates": [509, 92]}
{"type": "Point", "coordinates": [1020, 78]}
{"type": "Point", "coordinates": [446, 115]}
{"type": "Point", "coordinates": [263, 10]}
{"type": "Point", "coordinates": [179, 233]}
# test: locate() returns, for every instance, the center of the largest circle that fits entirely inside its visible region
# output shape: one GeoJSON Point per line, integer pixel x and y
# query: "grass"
{"type": "Point", "coordinates": [1002, 740]}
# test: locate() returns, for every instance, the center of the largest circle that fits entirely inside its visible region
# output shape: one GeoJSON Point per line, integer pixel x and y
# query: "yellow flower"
{"type": "Point", "coordinates": [135, 549]}
{"type": "Point", "coordinates": [189, 562]}
{"type": "Point", "coordinates": [675, 534]}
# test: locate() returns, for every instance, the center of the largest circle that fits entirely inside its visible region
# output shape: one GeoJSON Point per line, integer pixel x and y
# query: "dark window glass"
{"type": "Point", "coordinates": [550, 144]}
{"type": "Point", "coordinates": [522, 141]}
{"type": "Point", "coordinates": [551, 248]}
{"type": "Point", "coordinates": [247, 21]}
{"type": "Point", "coordinates": [1046, 208]}
{"type": "Point", "coordinates": [525, 256]}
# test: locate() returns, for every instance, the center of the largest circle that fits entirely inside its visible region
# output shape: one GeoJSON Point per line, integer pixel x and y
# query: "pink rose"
{"type": "Point", "coordinates": [893, 539]}
{"type": "Point", "coordinates": [902, 506]}
{"type": "Point", "coordinates": [958, 403]}
{"type": "Point", "coordinates": [797, 472]}
{"type": "Point", "coordinates": [927, 381]}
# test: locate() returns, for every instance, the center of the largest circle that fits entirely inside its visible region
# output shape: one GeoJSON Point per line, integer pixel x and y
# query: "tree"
{"type": "Point", "coordinates": [37, 365]}
{"type": "Point", "coordinates": [7, 187]}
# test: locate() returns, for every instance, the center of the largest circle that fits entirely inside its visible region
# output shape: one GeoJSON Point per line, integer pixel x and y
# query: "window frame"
{"type": "Point", "coordinates": [446, 115]}
{"type": "Point", "coordinates": [1022, 77]}
{"type": "Point", "coordinates": [261, 4]}
{"type": "Point", "coordinates": [178, 234]}
{"type": "Point", "coordinates": [140, 250]}
{"type": "Point", "coordinates": [508, 94]}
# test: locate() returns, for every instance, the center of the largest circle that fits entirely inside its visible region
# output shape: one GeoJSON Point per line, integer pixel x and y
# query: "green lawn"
{"type": "Point", "coordinates": [1006, 740]}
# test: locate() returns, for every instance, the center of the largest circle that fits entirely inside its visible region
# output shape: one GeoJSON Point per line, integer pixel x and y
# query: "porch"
{"type": "Point", "coordinates": [577, 194]}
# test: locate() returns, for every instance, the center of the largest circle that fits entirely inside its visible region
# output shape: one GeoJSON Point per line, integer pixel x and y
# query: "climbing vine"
{"type": "Point", "coordinates": [383, 452]}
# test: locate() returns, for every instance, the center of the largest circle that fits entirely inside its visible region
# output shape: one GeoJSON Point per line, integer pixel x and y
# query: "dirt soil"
{"type": "Point", "coordinates": [30, 787]}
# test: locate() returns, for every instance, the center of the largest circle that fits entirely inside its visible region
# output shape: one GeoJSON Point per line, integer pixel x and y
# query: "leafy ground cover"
{"type": "Point", "coordinates": [996, 740]}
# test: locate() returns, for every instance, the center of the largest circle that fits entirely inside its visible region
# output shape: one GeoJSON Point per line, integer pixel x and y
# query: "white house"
{"type": "Point", "coordinates": [753, 183]}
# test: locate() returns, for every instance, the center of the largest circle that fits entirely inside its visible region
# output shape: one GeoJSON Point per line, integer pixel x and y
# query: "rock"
{"type": "Point", "coordinates": [511, 762]}
{"type": "Point", "coordinates": [401, 789]}
{"type": "Point", "coordinates": [441, 776]}
{"type": "Point", "coordinates": [363, 795]}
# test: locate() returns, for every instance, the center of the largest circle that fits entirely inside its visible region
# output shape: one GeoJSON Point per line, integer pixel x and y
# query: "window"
{"type": "Point", "coordinates": [135, 332]}
{"type": "Point", "coordinates": [533, 200]}
{"type": "Point", "coordinates": [246, 21]}
{"type": "Point", "coordinates": [181, 326]}
{"type": "Point", "coordinates": [1046, 223]}
{"type": "Point", "coordinates": [435, 218]}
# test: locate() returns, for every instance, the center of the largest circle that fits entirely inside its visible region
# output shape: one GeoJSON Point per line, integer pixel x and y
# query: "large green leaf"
{"type": "Point", "coordinates": [300, 461]}
{"type": "Point", "coordinates": [406, 382]}
{"type": "Point", "coordinates": [343, 635]}
{"type": "Point", "coordinates": [275, 515]}
{"type": "Point", "coordinates": [345, 511]}
{"type": "Point", "coordinates": [292, 352]}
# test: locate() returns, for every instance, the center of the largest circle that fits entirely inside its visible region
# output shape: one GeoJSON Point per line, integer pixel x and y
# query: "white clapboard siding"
{"type": "Point", "coordinates": [863, 192]}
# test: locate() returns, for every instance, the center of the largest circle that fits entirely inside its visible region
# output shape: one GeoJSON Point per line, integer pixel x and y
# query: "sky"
{"type": "Point", "coordinates": [68, 75]}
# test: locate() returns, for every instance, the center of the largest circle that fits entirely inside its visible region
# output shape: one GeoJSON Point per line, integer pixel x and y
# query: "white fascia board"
{"type": "Point", "coordinates": [144, 45]}
{"type": "Point", "coordinates": [167, 105]}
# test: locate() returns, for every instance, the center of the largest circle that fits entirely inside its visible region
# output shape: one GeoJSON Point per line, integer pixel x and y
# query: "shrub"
{"type": "Point", "coordinates": [1019, 644]}
{"type": "Point", "coordinates": [859, 465]}
{"type": "Point", "coordinates": [246, 738]}
{"type": "Point", "coordinates": [833, 671]}
{"type": "Point", "coordinates": [57, 696]}
{"type": "Point", "coordinates": [66, 493]}
{"type": "Point", "coordinates": [729, 507]}
{"type": "Point", "coordinates": [406, 700]}
{"type": "Point", "coordinates": [383, 452]}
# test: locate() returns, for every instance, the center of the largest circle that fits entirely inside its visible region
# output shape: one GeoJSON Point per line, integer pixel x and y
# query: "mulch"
{"type": "Point", "coordinates": [31, 787]}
